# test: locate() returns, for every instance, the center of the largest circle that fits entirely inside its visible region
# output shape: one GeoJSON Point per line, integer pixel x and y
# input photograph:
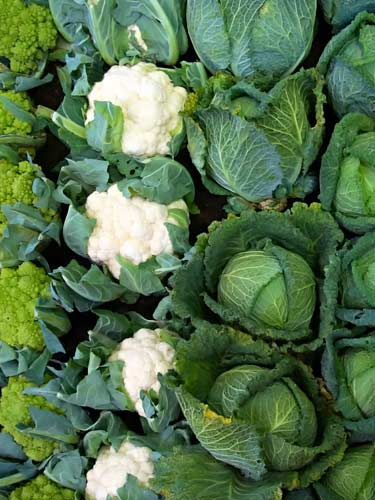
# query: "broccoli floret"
{"type": "Point", "coordinates": [26, 33]}
{"type": "Point", "coordinates": [42, 488]}
{"type": "Point", "coordinates": [14, 410]}
{"type": "Point", "coordinates": [9, 124]}
{"type": "Point", "coordinates": [19, 290]}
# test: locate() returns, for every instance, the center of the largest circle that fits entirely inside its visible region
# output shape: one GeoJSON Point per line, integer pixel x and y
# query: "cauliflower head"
{"type": "Point", "coordinates": [9, 124]}
{"type": "Point", "coordinates": [27, 32]}
{"type": "Point", "coordinates": [41, 488]}
{"type": "Point", "coordinates": [151, 106]}
{"type": "Point", "coordinates": [14, 409]}
{"type": "Point", "coordinates": [145, 355]}
{"type": "Point", "coordinates": [112, 467]}
{"type": "Point", "coordinates": [133, 228]}
{"type": "Point", "coordinates": [19, 290]}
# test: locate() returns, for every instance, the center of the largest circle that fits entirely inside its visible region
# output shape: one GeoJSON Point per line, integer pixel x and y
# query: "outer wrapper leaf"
{"type": "Point", "coordinates": [192, 473]}
{"type": "Point", "coordinates": [24, 361]}
{"type": "Point", "coordinates": [348, 89]}
{"type": "Point", "coordinates": [14, 465]}
{"type": "Point", "coordinates": [21, 82]}
{"type": "Point", "coordinates": [339, 149]}
{"type": "Point", "coordinates": [259, 145]}
{"type": "Point", "coordinates": [239, 36]}
{"type": "Point", "coordinates": [307, 231]}
{"type": "Point", "coordinates": [213, 350]}
{"type": "Point", "coordinates": [362, 428]}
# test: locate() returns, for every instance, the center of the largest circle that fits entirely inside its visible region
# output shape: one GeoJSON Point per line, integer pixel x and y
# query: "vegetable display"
{"type": "Point", "coordinates": [187, 250]}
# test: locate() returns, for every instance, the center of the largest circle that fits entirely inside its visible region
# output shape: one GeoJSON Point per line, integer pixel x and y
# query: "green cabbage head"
{"type": "Point", "coordinates": [271, 274]}
{"type": "Point", "coordinates": [259, 411]}
{"type": "Point", "coordinates": [275, 287]}
{"type": "Point", "coordinates": [349, 64]}
{"type": "Point", "coordinates": [347, 174]}
{"type": "Point", "coordinates": [348, 366]}
{"type": "Point", "coordinates": [353, 478]}
{"type": "Point", "coordinates": [357, 281]}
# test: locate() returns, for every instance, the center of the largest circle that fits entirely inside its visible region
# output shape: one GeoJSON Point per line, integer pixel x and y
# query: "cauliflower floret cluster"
{"type": "Point", "coordinates": [112, 467]}
{"type": "Point", "coordinates": [151, 105]}
{"type": "Point", "coordinates": [144, 356]}
{"type": "Point", "coordinates": [14, 410]}
{"type": "Point", "coordinates": [41, 488]}
{"type": "Point", "coordinates": [19, 290]}
{"type": "Point", "coordinates": [133, 228]}
{"type": "Point", "coordinates": [27, 32]}
{"type": "Point", "coordinates": [9, 124]}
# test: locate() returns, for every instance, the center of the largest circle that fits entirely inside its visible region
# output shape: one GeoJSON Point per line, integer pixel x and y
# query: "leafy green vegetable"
{"type": "Point", "coordinates": [264, 40]}
{"type": "Point", "coordinates": [152, 31]}
{"type": "Point", "coordinates": [31, 364]}
{"type": "Point", "coordinates": [347, 175]}
{"type": "Point", "coordinates": [295, 253]}
{"type": "Point", "coordinates": [255, 409]}
{"type": "Point", "coordinates": [348, 366]}
{"type": "Point", "coordinates": [179, 477]}
{"type": "Point", "coordinates": [348, 63]}
{"type": "Point", "coordinates": [339, 13]}
{"type": "Point", "coordinates": [353, 478]}
{"type": "Point", "coordinates": [259, 145]}
{"type": "Point", "coordinates": [356, 299]}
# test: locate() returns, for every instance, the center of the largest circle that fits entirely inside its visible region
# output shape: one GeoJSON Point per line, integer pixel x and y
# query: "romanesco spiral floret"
{"type": "Point", "coordinates": [41, 488]}
{"type": "Point", "coordinates": [19, 290]}
{"type": "Point", "coordinates": [14, 410]}
{"type": "Point", "coordinates": [9, 124]}
{"type": "Point", "coordinates": [26, 33]}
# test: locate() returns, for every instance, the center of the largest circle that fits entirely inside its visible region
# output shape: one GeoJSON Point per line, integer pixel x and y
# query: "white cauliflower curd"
{"type": "Point", "coordinates": [144, 356]}
{"type": "Point", "coordinates": [112, 467]}
{"type": "Point", "coordinates": [133, 228]}
{"type": "Point", "coordinates": [151, 105]}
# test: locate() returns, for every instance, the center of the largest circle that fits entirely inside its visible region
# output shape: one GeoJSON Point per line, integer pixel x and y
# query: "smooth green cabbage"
{"type": "Point", "coordinates": [353, 478]}
{"type": "Point", "coordinates": [348, 62]}
{"type": "Point", "coordinates": [356, 302]}
{"type": "Point", "coordinates": [255, 409]}
{"type": "Point", "coordinates": [348, 366]}
{"type": "Point", "coordinates": [339, 13]}
{"type": "Point", "coordinates": [347, 174]}
{"type": "Point", "coordinates": [271, 274]}
{"type": "Point", "coordinates": [263, 40]}
{"type": "Point", "coordinates": [264, 285]}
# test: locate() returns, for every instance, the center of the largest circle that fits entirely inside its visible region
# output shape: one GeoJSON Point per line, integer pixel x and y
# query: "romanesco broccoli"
{"type": "Point", "coordinates": [41, 488]}
{"type": "Point", "coordinates": [19, 290]}
{"type": "Point", "coordinates": [16, 184]}
{"type": "Point", "coordinates": [27, 32]}
{"type": "Point", "coordinates": [14, 410]}
{"type": "Point", "coordinates": [9, 124]}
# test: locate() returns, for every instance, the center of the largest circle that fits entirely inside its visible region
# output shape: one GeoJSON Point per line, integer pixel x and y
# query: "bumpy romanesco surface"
{"type": "Point", "coordinates": [41, 488]}
{"type": "Point", "coordinates": [19, 290]}
{"type": "Point", "coordinates": [9, 124]}
{"type": "Point", "coordinates": [14, 409]}
{"type": "Point", "coordinates": [26, 33]}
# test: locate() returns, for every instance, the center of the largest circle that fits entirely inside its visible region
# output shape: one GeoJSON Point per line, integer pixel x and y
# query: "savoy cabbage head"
{"type": "Point", "coordinates": [339, 13]}
{"type": "Point", "coordinates": [356, 301]}
{"type": "Point", "coordinates": [263, 40]}
{"type": "Point", "coordinates": [348, 366]}
{"type": "Point", "coordinates": [255, 409]}
{"type": "Point", "coordinates": [257, 145]}
{"type": "Point", "coordinates": [348, 62]}
{"type": "Point", "coordinates": [347, 174]}
{"type": "Point", "coordinates": [271, 274]}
